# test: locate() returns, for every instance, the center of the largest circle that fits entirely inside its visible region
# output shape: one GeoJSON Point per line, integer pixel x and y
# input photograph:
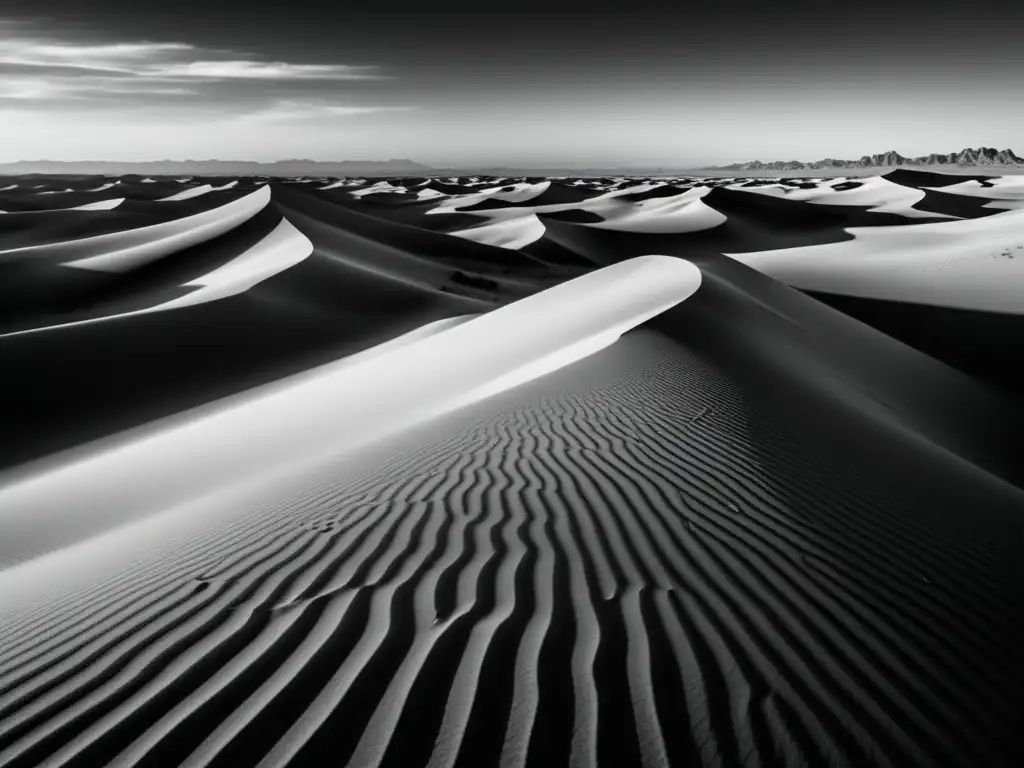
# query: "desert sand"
{"type": "Point", "coordinates": [475, 471]}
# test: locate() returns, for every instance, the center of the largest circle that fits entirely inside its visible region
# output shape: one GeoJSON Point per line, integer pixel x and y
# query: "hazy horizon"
{"type": "Point", "coordinates": [454, 165]}
{"type": "Point", "coordinates": [583, 85]}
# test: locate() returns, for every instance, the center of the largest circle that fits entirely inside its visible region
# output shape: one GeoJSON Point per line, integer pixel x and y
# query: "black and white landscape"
{"type": "Point", "coordinates": [473, 471]}
{"type": "Point", "coordinates": [524, 420]}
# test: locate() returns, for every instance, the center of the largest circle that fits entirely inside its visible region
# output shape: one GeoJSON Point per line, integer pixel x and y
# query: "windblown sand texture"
{"type": "Point", "coordinates": [519, 471]}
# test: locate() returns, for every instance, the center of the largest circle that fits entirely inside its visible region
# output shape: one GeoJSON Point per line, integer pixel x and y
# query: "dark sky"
{"type": "Point", "coordinates": [571, 82]}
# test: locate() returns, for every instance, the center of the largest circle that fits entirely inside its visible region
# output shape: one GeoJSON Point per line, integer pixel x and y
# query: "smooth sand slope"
{"type": "Point", "coordinates": [876, 193]}
{"type": "Point", "coordinates": [118, 252]}
{"type": "Point", "coordinates": [977, 264]}
{"type": "Point", "coordinates": [368, 492]}
{"type": "Point", "coordinates": [281, 248]}
{"type": "Point", "coordinates": [954, 290]}
{"type": "Point", "coordinates": [130, 369]}
{"type": "Point", "coordinates": [510, 233]}
{"type": "Point", "coordinates": [409, 380]}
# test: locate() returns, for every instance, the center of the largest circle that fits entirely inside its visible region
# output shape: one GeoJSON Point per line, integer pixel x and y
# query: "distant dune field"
{"type": "Point", "coordinates": [473, 470]}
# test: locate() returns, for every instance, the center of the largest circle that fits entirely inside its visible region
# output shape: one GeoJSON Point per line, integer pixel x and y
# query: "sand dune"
{"type": "Point", "coordinates": [387, 482]}
{"type": "Point", "coordinates": [640, 554]}
{"type": "Point", "coordinates": [976, 264]}
{"type": "Point", "coordinates": [534, 196]}
{"type": "Point", "coordinates": [99, 205]}
{"type": "Point", "coordinates": [381, 186]}
{"type": "Point", "coordinates": [472, 361]}
{"type": "Point", "coordinates": [667, 214]}
{"type": "Point", "coordinates": [1005, 205]}
{"type": "Point", "coordinates": [122, 251]}
{"type": "Point", "coordinates": [193, 192]}
{"type": "Point", "coordinates": [429, 251]}
{"type": "Point", "coordinates": [158, 363]}
{"type": "Point", "coordinates": [281, 249]}
{"type": "Point", "coordinates": [664, 215]}
{"type": "Point", "coordinates": [510, 194]}
{"type": "Point", "coordinates": [876, 193]}
{"type": "Point", "coordinates": [950, 289]}
{"type": "Point", "coordinates": [1008, 188]}
{"type": "Point", "coordinates": [284, 247]}
{"type": "Point", "coordinates": [510, 233]}
{"type": "Point", "coordinates": [429, 194]}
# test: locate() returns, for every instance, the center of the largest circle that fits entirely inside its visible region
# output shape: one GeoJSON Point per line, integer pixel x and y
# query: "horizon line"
{"type": "Point", "coordinates": [489, 164]}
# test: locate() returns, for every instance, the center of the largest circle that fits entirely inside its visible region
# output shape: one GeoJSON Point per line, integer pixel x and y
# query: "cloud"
{"type": "Point", "coordinates": [155, 60]}
{"type": "Point", "coordinates": [57, 87]}
{"type": "Point", "coordinates": [41, 71]}
{"type": "Point", "coordinates": [65, 95]}
{"type": "Point", "coordinates": [263, 70]}
{"type": "Point", "coordinates": [123, 58]}
{"type": "Point", "coordinates": [294, 110]}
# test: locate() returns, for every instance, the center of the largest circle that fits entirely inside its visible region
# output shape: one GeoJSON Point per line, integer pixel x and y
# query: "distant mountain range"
{"type": "Point", "coordinates": [219, 168]}
{"type": "Point", "coordinates": [983, 156]}
{"type": "Point", "coordinates": [967, 158]}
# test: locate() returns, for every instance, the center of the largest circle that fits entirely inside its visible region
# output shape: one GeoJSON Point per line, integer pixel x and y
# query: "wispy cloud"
{"type": "Point", "coordinates": [247, 69]}
{"type": "Point", "coordinates": [125, 58]}
{"type": "Point", "coordinates": [50, 87]}
{"type": "Point", "coordinates": [157, 60]}
{"type": "Point", "coordinates": [68, 92]}
{"type": "Point", "coordinates": [297, 110]}
{"type": "Point", "coordinates": [44, 71]}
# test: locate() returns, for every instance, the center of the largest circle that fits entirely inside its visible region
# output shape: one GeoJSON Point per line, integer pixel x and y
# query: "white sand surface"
{"type": "Point", "coordinates": [187, 194]}
{"type": "Point", "coordinates": [315, 415]}
{"type": "Point", "coordinates": [122, 251]}
{"type": "Point", "coordinates": [879, 195]}
{"type": "Point", "coordinates": [970, 264]}
{"type": "Point", "coordinates": [1003, 188]}
{"type": "Point", "coordinates": [284, 247]}
{"type": "Point", "coordinates": [99, 205]}
{"type": "Point", "coordinates": [683, 213]}
{"type": "Point", "coordinates": [381, 186]}
{"type": "Point", "coordinates": [509, 233]}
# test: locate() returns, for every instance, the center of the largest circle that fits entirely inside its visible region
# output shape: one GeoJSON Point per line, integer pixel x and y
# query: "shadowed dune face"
{"type": "Point", "coordinates": [511, 471]}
